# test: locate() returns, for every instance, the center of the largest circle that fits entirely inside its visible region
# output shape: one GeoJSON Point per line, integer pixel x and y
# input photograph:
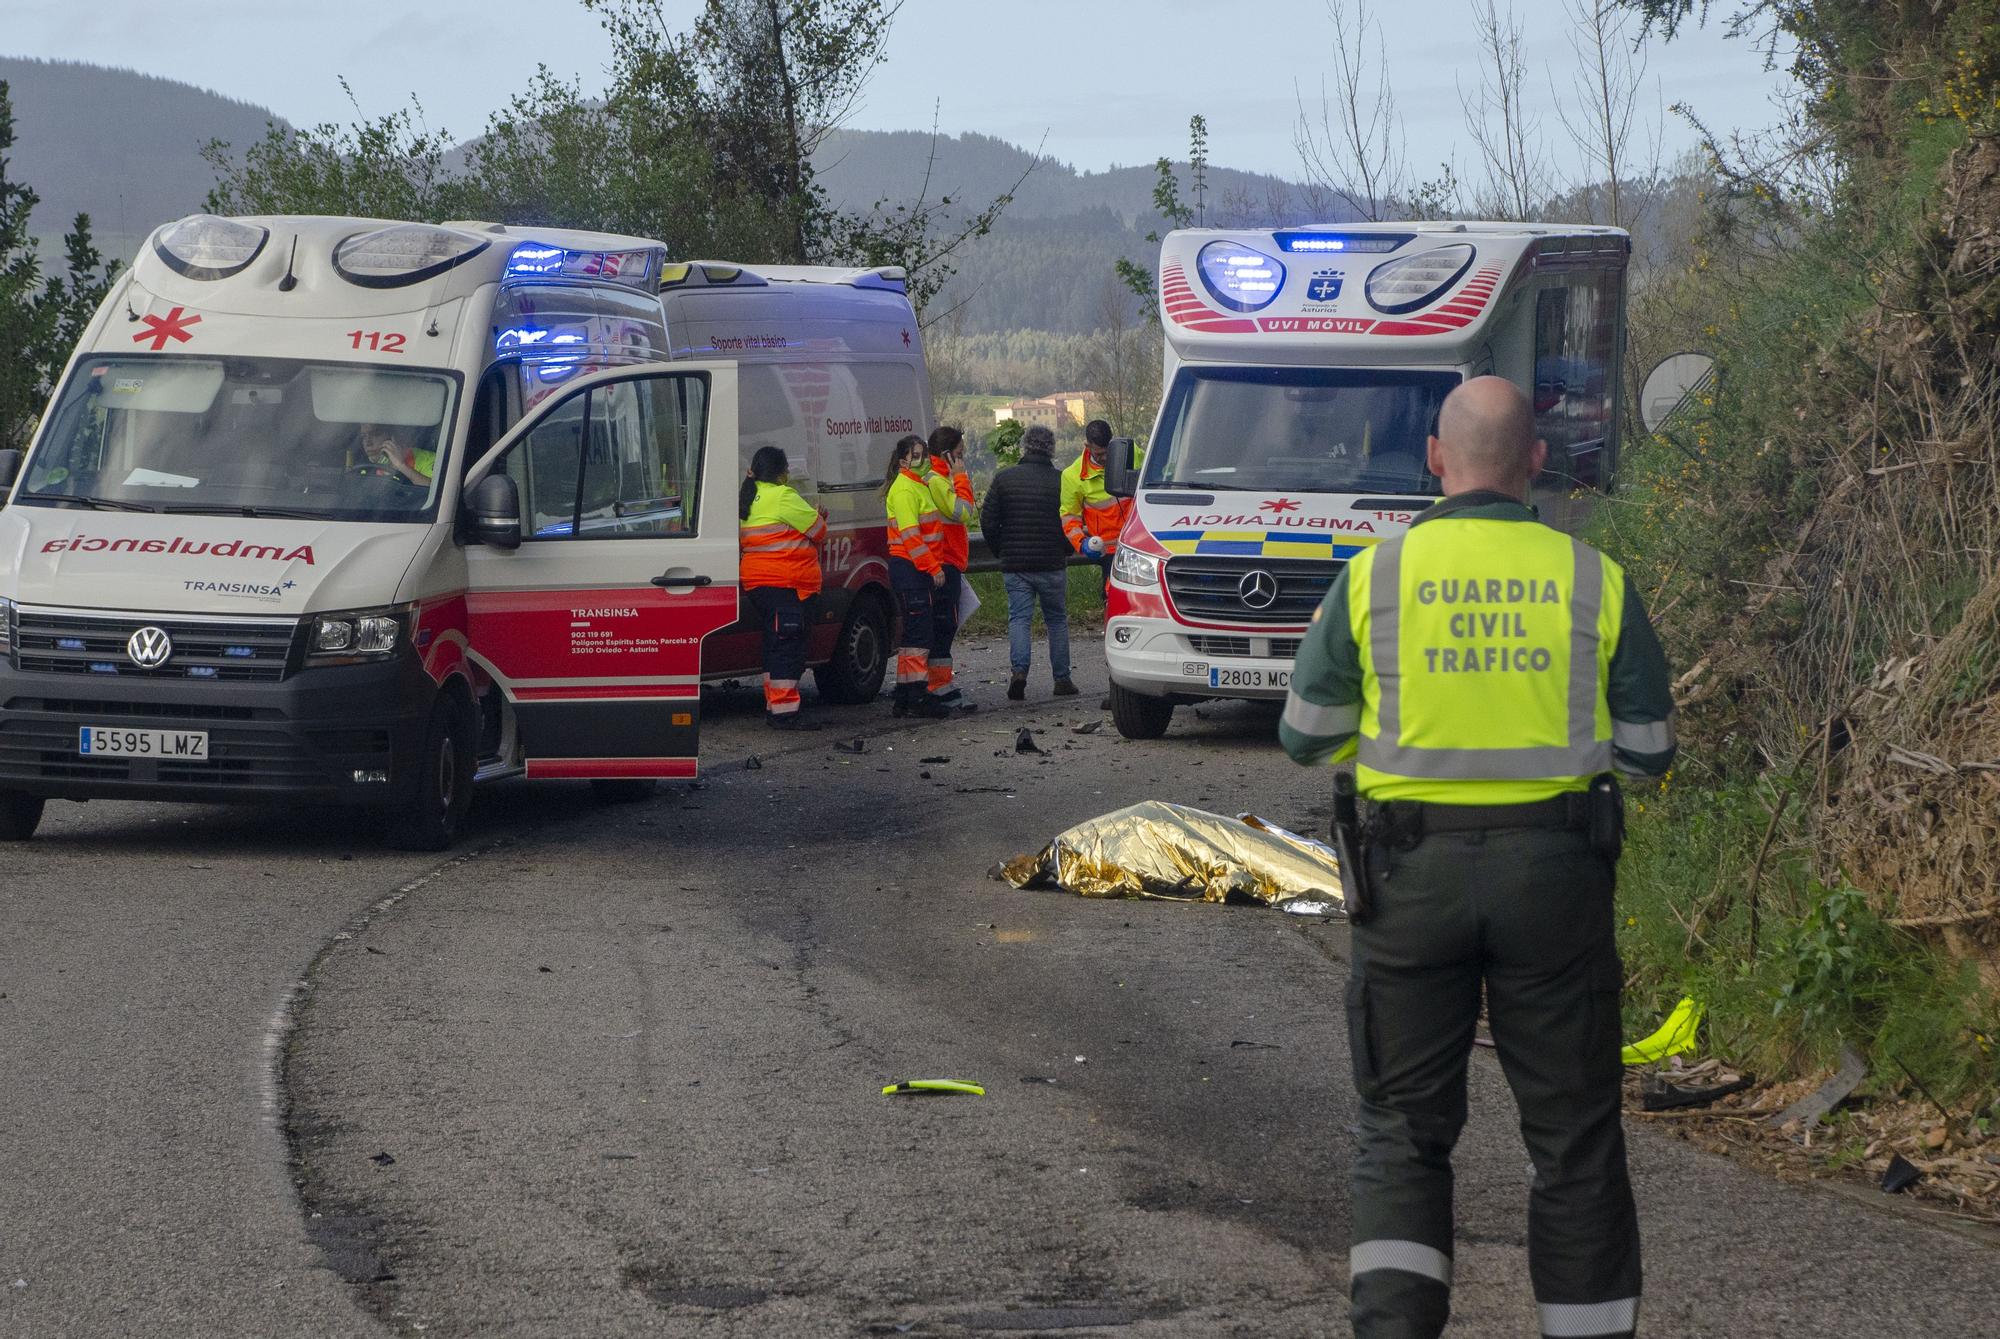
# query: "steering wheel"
{"type": "Point", "coordinates": [368, 469]}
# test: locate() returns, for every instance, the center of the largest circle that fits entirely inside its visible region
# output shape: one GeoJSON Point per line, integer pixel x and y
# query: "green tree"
{"type": "Point", "coordinates": [1172, 208]}
{"type": "Point", "coordinates": [389, 167]}
{"type": "Point", "coordinates": [1005, 440]}
{"type": "Point", "coordinates": [40, 317]}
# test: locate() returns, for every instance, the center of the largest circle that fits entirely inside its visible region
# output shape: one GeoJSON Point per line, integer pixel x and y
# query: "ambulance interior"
{"type": "Point", "coordinates": [244, 436]}
{"type": "Point", "coordinates": [1298, 429]}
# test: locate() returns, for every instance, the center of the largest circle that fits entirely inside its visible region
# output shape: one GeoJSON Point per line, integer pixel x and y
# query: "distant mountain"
{"type": "Point", "coordinates": [122, 146]}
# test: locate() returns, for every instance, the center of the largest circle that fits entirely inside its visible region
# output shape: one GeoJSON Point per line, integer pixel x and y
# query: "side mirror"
{"type": "Point", "coordinates": [492, 512]}
{"type": "Point", "coordinates": [10, 468]}
{"type": "Point", "coordinates": [1121, 474]}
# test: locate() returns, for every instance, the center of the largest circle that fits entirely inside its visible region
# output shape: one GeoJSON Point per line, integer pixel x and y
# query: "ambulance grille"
{"type": "Point", "coordinates": [247, 651]}
{"type": "Point", "coordinates": [1213, 588]}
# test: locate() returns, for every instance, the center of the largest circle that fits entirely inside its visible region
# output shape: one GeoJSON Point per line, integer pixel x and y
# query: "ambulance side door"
{"type": "Point", "coordinates": [592, 624]}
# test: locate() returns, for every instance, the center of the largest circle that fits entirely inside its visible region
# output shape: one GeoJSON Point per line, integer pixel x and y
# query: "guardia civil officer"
{"type": "Point", "coordinates": [1486, 673]}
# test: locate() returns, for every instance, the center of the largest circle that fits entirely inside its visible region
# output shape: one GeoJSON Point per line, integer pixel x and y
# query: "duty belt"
{"type": "Point", "coordinates": [1406, 822]}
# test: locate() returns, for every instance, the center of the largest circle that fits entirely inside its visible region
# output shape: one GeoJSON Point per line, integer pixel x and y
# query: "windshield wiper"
{"type": "Point", "coordinates": [83, 500]}
{"type": "Point", "coordinates": [272, 513]}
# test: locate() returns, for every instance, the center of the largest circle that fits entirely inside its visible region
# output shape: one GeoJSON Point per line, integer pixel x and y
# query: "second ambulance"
{"type": "Point", "coordinates": [1304, 371]}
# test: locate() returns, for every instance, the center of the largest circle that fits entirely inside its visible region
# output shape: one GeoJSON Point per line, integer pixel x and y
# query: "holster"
{"type": "Point", "coordinates": [1350, 848]}
{"type": "Point", "coordinates": [1606, 816]}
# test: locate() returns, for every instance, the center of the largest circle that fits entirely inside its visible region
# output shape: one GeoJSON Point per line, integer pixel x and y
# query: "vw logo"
{"type": "Point", "coordinates": [149, 647]}
{"type": "Point", "coordinates": [1258, 589]}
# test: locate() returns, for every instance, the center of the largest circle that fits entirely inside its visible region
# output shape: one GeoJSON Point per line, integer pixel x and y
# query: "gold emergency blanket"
{"type": "Point", "coordinates": [1155, 849]}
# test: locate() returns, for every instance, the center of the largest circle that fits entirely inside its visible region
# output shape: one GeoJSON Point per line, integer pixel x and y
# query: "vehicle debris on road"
{"type": "Point", "coordinates": [913, 1087]}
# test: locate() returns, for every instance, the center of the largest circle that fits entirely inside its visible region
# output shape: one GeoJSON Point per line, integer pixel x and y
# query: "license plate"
{"type": "Point", "coordinates": [115, 741]}
{"type": "Point", "coordinates": [1222, 676]}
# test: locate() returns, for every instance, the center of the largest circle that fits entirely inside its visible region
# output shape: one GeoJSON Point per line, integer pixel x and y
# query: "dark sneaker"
{"type": "Point", "coordinates": [1065, 688]}
{"type": "Point", "coordinates": [791, 721]}
{"type": "Point", "coordinates": [929, 708]}
{"type": "Point", "coordinates": [1017, 687]}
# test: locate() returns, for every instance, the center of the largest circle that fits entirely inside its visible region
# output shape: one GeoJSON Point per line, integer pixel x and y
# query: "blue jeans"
{"type": "Point", "coordinates": [1023, 590]}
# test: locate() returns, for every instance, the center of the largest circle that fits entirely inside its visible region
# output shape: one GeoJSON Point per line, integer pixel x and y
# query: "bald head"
{"type": "Point", "coordinates": [1486, 439]}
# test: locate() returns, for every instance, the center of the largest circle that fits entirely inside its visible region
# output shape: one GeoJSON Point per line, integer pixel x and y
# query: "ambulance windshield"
{"type": "Point", "coordinates": [1298, 429]}
{"type": "Point", "coordinates": [245, 436]}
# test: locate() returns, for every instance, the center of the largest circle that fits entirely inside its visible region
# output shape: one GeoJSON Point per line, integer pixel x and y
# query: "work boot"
{"type": "Point", "coordinates": [790, 721]}
{"type": "Point", "coordinates": [1017, 686]}
{"type": "Point", "coordinates": [928, 708]}
{"type": "Point", "coordinates": [1065, 688]}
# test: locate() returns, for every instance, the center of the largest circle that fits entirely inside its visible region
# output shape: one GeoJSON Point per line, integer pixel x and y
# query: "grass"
{"type": "Point", "coordinates": [1086, 602]}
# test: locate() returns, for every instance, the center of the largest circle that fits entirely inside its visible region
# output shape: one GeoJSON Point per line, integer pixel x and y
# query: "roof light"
{"type": "Point", "coordinates": [203, 246]}
{"type": "Point", "coordinates": [1239, 277]}
{"type": "Point", "coordinates": [540, 260]}
{"type": "Point", "coordinates": [1345, 243]}
{"type": "Point", "coordinates": [1404, 285]}
{"type": "Point", "coordinates": [404, 253]}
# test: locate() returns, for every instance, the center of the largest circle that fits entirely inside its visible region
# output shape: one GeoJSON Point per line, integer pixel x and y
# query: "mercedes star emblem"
{"type": "Point", "coordinates": [1258, 589]}
{"type": "Point", "coordinates": [149, 647]}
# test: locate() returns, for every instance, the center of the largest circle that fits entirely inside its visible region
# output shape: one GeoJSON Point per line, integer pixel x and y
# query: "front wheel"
{"type": "Point", "coordinates": [20, 815]}
{"type": "Point", "coordinates": [860, 655]}
{"type": "Point", "coordinates": [1138, 716]}
{"type": "Point", "coordinates": [429, 820]}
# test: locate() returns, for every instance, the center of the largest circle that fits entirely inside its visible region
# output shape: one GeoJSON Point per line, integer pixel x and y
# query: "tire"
{"type": "Point", "coordinates": [1138, 716]}
{"type": "Point", "coordinates": [623, 790]}
{"type": "Point", "coordinates": [860, 655]}
{"type": "Point", "coordinates": [20, 815]}
{"type": "Point", "coordinates": [429, 820]}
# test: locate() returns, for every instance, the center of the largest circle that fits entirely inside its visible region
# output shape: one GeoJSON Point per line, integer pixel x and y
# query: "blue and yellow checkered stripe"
{"type": "Point", "coordinates": [1262, 543]}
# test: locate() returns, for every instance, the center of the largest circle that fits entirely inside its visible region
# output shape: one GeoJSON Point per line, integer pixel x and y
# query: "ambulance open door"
{"type": "Point", "coordinates": [601, 549]}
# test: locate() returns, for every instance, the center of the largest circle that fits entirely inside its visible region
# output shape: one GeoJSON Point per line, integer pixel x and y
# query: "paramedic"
{"type": "Point", "coordinates": [916, 571]}
{"type": "Point", "coordinates": [780, 534]}
{"type": "Point", "coordinates": [951, 490]}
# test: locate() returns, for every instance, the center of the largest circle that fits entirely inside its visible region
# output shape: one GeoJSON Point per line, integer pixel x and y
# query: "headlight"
{"type": "Point", "coordinates": [202, 246]}
{"type": "Point", "coordinates": [1133, 568]}
{"type": "Point", "coordinates": [1399, 286]}
{"type": "Point", "coordinates": [348, 638]}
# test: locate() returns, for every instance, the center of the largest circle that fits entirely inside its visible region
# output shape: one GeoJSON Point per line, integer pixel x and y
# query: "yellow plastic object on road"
{"type": "Point", "coordinates": [1172, 851]}
{"type": "Point", "coordinates": [934, 1086]}
{"type": "Point", "coordinates": [1673, 1037]}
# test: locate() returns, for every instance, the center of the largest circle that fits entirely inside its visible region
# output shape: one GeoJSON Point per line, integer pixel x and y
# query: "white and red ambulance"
{"type": "Point", "coordinates": [358, 512]}
{"type": "Point", "coordinates": [1304, 370]}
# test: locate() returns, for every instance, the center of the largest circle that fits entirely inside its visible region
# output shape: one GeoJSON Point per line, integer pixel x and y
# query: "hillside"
{"type": "Point", "coordinates": [122, 146]}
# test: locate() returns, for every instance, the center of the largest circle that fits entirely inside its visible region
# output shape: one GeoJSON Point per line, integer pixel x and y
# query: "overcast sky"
{"type": "Point", "coordinates": [1109, 81]}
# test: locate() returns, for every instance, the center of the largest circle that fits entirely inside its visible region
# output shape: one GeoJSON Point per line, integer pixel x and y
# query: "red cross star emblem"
{"type": "Point", "coordinates": [906, 339]}
{"type": "Point", "coordinates": [174, 325]}
{"type": "Point", "coordinates": [1281, 504]}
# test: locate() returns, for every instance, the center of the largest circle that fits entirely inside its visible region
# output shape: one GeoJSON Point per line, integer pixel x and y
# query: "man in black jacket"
{"type": "Point", "coordinates": [1022, 521]}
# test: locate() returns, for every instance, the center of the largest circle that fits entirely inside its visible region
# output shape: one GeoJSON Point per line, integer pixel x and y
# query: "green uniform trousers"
{"type": "Point", "coordinates": [1529, 914]}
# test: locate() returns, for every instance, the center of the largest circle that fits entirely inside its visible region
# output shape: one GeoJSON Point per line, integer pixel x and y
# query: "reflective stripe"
{"type": "Point", "coordinates": [1410, 1257]}
{"type": "Point", "coordinates": [1589, 1320]}
{"type": "Point", "coordinates": [1643, 737]}
{"type": "Point", "coordinates": [1586, 601]}
{"type": "Point", "coordinates": [1385, 618]}
{"type": "Point", "coordinates": [1309, 718]}
{"type": "Point", "coordinates": [1523, 764]}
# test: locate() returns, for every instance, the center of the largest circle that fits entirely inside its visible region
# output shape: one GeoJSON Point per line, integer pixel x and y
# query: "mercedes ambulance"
{"type": "Point", "coordinates": [1304, 371]}
{"type": "Point", "coordinates": [357, 512]}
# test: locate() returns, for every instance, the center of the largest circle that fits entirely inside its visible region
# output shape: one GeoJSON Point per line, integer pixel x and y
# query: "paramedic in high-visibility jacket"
{"type": "Point", "coordinates": [1091, 517]}
{"type": "Point", "coordinates": [1484, 671]}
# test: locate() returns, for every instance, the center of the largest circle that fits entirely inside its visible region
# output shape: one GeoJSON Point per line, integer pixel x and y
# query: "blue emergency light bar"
{"type": "Point", "coordinates": [1341, 243]}
{"type": "Point", "coordinates": [538, 260]}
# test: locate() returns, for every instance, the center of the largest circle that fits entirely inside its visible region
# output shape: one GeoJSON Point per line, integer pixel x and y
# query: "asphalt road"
{"type": "Point", "coordinates": [617, 1070]}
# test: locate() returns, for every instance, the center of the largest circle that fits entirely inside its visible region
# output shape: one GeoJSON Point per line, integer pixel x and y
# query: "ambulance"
{"type": "Point", "coordinates": [1304, 371]}
{"type": "Point", "coordinates": [830, 369]}
{"type": "Point", "coordinates": [358, 512]}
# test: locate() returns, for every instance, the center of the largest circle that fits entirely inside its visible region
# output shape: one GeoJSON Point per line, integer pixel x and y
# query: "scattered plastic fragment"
{"type": "Point", "coordinates": [914, 1086]}
{"type": "Point", "coordinates": [1024, 742]}
{"type": "Point", "coordinates": [1663, 1092]}
{"type": "Point", "coordinates": [1308, 906]}
{"type": "Point", "coordinates": [1088, 727]}
{"type": "Point", "coordinates": [384, 1159]}
{"type": "Point", "coordinates": [753, 763]}
{"type": "Point", "coordinates": [1255, 1045]}
{"type": "Point", "coordinates": [1808, 1109]}
{"type": "Point", "coordinates": [1900, 1175]}
{"type": "Point", "coordinates": [1672, 1037]}
{"type": "Point", "coordinates": [851, 746]}
{"type": "Point", "coordinates": [938, 759]}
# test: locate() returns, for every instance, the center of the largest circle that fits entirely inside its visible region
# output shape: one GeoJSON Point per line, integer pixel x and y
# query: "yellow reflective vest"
{"type": "Point", "coordinates": [1485, 649]}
